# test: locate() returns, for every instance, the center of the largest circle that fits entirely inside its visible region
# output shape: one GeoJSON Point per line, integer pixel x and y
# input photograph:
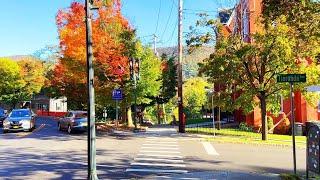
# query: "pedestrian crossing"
{"type": "Point", "coordinates": [158, 155]}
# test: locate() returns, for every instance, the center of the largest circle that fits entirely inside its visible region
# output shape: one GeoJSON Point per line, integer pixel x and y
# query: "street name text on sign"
{"type": "Point", "coordinates": [292, 78]}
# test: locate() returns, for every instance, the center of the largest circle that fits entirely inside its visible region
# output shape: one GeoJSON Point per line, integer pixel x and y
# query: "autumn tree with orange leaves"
{"type": "Point", "coordinates": [110, 63]}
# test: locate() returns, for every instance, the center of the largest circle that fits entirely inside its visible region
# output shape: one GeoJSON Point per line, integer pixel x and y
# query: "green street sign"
{"type": "Point", "coordinates": [292, 78]}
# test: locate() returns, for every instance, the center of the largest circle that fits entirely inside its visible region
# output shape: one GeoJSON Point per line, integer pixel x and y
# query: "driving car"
{"type": "Point", "coordinates": [19, 120]}
{"type": "Point", "coordinates": [73, 121]}
{"type": "Point", "coordinates": [2, 116]}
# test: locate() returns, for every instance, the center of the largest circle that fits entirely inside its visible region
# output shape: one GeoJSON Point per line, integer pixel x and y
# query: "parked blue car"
{"type": "Point", "coordinates": [19, 120]}
{"type": "Point", "coordinates": [73, 121]}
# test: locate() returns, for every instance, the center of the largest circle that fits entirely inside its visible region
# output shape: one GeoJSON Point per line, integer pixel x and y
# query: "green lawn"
{"type": "Point", "coordinates": [237, 136]}
{"type": "Point", "coordinates": [198, 120]}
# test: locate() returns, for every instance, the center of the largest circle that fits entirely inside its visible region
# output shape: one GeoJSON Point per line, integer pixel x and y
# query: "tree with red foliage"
{"type": "Point", "coordinates": [110, 63]}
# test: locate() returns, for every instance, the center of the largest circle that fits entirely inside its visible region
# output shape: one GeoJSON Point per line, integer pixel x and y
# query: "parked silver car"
{"type": "Point", "coordinates": [73, 121]}
{"type": "Point", "coordinates": [19, 120]}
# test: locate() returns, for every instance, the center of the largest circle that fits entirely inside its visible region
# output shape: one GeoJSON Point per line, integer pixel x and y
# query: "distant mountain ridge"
{"type": "Point", "coordinates": [19, 57]}
{"type": "Point", "coordinates": [173, 51]}
{"type": "Point", "coordinates": [190, 62]}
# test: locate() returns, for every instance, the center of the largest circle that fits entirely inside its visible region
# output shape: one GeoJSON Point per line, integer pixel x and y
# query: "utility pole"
{"type": "Point", "coordinates": [92, 169]}
{"type": "Point", "coordinates": [182, 122]}
{"type": "Point", "coordinates": [155, 44]}
{"type": "Point", "coordinates": [219, 110]}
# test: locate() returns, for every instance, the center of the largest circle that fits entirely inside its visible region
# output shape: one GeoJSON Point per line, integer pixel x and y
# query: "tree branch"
{"type": "Point", "coordinates": [272, 92]}
{"type": "Point", "coordinates": [250, 75]}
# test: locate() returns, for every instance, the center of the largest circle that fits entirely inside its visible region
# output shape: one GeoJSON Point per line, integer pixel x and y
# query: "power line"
{"type": "Point", "coordinates": [199, 10]}
{"type": "Point", "coordinates": [165, 29]}
{"type": "Point", "coordinates": [198, 13]}
{"type": "Point", "coordinates": [172, 34]}
{"type": "Point", "coordinates": [155, 32]}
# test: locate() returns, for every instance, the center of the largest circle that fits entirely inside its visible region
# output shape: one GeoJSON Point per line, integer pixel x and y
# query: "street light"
{"type": "Point", "coordinates": [92, 167]}
{"type": "Point", "coordinates": [134, 76]}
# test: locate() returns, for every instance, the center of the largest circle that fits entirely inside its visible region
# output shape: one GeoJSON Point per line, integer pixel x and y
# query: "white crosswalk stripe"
{"type": "Point", "coordinates": [158, 155]}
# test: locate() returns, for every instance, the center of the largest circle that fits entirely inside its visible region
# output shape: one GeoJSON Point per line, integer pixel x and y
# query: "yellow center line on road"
{"type": "Point", "coordinates": [27, 134]}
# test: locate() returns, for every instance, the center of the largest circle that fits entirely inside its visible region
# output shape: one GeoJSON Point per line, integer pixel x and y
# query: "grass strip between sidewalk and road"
{"type": "Point", "coordinates": [231, 135]}
{"type": "Point", "coordinates": [198, 120]}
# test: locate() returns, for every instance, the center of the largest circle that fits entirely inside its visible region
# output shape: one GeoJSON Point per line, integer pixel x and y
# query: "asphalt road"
{"type": "Point", "coordinates": [47, 153]}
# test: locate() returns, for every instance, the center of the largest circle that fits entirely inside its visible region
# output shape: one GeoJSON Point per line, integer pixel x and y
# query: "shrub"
{"type": "Point", "coordinates": [244, 127]}
{"type": "Point", "coordinates": [283, 127]}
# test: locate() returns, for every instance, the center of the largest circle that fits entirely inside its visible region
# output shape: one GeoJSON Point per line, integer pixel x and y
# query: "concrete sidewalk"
{"type": "Point", "coordinates": [220, 175]}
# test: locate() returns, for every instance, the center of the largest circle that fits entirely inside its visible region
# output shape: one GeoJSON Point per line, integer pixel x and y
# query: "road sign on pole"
{"type": "Point", "coordinates": [117, 94]}
{"type": "Point", "coordinates": [292, 78]}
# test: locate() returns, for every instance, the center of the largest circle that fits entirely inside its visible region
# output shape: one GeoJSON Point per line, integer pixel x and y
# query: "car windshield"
{"type": "Point", "coordinates": [81, 115]}
{"type": "Point", "coordinates": [20, 113]}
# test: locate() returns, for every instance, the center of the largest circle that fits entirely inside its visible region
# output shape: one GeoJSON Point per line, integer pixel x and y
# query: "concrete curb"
{"type": "Point", "coordinates": [221, 175]}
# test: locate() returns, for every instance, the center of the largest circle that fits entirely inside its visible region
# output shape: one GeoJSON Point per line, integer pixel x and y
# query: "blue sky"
{"type": "Point", "coordinates": [29, 25]}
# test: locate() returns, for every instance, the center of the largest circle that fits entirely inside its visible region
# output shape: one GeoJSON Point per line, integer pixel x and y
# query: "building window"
{"type": "Point", "coordinates": [245, 25]}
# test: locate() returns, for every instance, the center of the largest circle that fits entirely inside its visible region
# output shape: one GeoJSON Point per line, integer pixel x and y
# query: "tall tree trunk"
{"type": "Point", "coordinates": [130, 122]}
{"type": "Point", "coordinates": [158, 114]}
{"type": "Point", "coordinates": [164, 113]}
{"type": "Point", "coordinates": [219, 118]}
{"type": "Point", "coordinates": [263, 105]}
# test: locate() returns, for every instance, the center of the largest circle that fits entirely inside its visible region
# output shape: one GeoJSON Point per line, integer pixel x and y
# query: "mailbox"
{"type": "Point", "coordinates": [313, 143]}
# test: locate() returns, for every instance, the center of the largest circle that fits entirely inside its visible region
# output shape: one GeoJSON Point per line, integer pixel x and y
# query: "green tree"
{"type": "Point", "coordinates": [168, 84]}
{"type": "Point", "coordinates": [302, 16]}
{"type": "Point", "coordinates": [169, 79]}
{"type": "Point", "coordinates": [253, 68]}
{"type": "Point", "coordinates": [11, 83]}
{"type": "Point", "coordinates": [194, 95]}
{"type": "Point", "coordinates": [149, 83]}
{"type": "Point", "coordinates": [33, 75]}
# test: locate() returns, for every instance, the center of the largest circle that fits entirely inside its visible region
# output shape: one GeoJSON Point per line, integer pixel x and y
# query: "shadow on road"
{"type": "Point", "coordinates": [55, 165]}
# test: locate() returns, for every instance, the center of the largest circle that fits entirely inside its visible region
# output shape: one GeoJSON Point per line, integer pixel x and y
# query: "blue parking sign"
{"type": "Point", "coordinates": [117, 94]}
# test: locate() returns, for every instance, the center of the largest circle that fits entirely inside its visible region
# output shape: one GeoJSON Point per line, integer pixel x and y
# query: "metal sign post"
{"type": "Point", "coordinates": [292, 78]}
{"type": "Point", "coordinates": [105, 114]}
{"type": "Point", "coordinates": [293, 129]}
{"type": "Point", "coordinates": [117, 95]}
{"type": "Point", "coordinates": [117, 112]}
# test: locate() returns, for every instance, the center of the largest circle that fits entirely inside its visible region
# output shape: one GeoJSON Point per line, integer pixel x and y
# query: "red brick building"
{"type": "Point", "coordinates": [244, 20]}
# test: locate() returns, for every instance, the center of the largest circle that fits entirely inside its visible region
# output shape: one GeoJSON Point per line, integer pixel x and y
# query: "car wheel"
{"type": "Point", "coordinates": [31, 128]}
{"type": "Point", "coordinates": [69, 129]}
